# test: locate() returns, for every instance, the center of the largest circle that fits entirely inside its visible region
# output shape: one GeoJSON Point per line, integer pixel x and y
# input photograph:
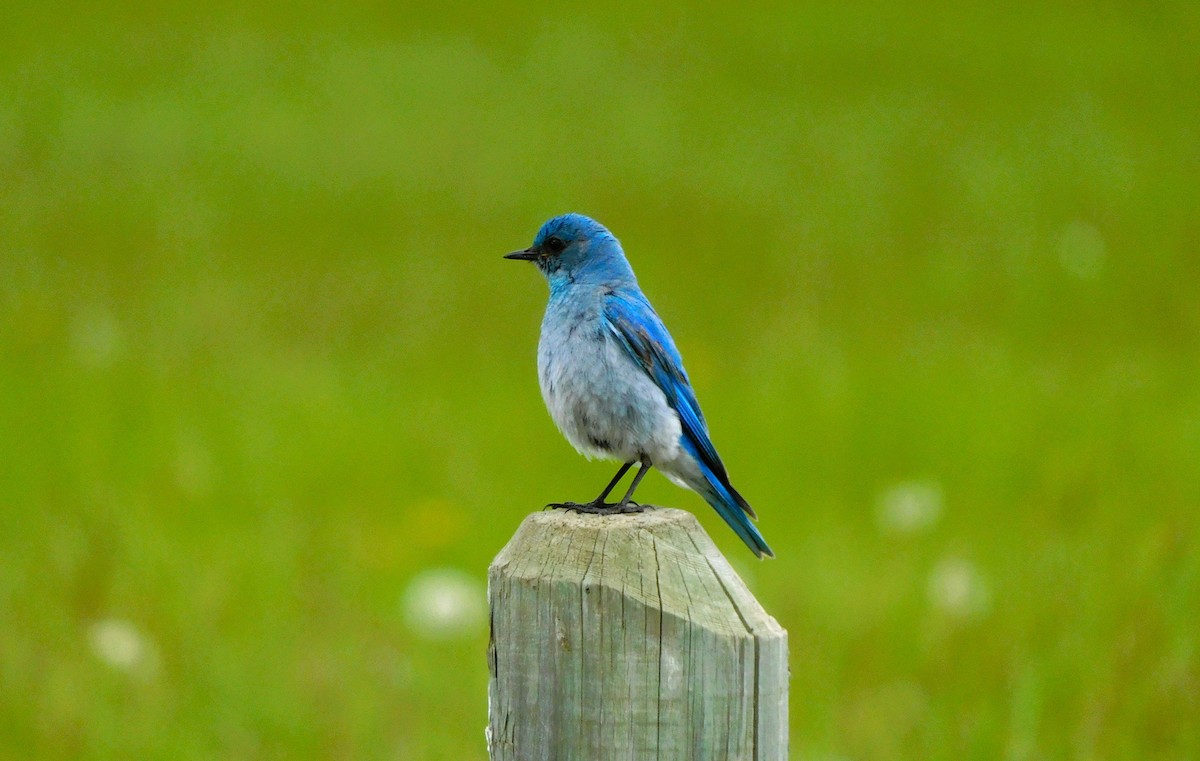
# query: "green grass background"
{"type": "Point", "coordinates": [261, 363]}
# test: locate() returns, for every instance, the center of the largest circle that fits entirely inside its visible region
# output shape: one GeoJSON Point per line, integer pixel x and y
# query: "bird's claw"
{"type": "Point", "coordinates": [599, 508]}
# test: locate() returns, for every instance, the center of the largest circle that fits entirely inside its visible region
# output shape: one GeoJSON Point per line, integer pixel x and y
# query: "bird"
{"type": "Point", "coordinates": [614, 382]}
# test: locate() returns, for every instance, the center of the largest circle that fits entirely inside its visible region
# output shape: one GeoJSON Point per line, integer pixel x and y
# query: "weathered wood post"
{"type": "Point", "coordinates": [629, 637]}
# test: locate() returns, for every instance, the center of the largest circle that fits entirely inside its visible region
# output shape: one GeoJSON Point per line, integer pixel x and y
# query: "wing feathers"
{"type": "Point", "coordinates": [636, 325]}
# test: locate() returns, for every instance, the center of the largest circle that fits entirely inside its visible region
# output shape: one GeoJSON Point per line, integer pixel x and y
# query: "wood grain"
{"type": "Point", "coordinates": [630, 637]}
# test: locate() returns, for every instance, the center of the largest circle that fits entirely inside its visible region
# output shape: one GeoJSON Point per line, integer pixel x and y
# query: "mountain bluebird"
{"type": "Point", "coordinates": [614, 381]}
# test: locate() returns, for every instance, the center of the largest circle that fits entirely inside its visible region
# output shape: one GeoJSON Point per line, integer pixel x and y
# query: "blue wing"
{"type": "Point", "coordinates": [637, 326]}
{"type": "Point", "coordinates": [634, 323]}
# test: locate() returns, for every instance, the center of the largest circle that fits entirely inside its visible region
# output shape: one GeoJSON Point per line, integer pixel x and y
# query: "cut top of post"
{"type": "Point", "coordinates": [660, 557]}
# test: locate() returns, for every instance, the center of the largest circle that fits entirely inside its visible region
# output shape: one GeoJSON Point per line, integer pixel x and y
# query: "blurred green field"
{"type": "Point", "coordinates": [935, 273]}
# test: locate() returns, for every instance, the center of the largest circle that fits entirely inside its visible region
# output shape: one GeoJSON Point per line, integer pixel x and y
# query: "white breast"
{"type": "Point", "coordinates": [602, 402]}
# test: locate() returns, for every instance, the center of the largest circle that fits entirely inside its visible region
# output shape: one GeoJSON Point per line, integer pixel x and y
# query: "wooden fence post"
{"type": "Point", "coordinates": [629, 637]}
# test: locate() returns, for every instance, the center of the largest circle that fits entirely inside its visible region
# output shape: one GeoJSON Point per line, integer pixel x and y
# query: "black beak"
{"type": "Point", "coordinates": [527, 255]}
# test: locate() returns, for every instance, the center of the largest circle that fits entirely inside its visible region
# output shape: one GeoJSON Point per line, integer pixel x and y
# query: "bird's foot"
{"type": "Point", "coordinates": [599, 508]}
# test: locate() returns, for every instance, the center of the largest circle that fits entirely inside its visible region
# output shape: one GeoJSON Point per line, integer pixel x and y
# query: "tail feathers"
{"type": "Point", "coordinates": [733, 508]}
{"type": "Point", "coordinates": [740, 500]}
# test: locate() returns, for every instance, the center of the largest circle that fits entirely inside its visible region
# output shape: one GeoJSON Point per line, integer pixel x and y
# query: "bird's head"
{"type": "Point", "coordinates": [573, 248]}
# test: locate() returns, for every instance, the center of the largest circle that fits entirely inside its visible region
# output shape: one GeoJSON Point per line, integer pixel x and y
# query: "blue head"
{"type": "Point", "coordinates": [572, 249]}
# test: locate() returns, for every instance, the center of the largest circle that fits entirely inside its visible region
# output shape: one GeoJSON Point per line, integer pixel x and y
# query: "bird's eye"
{"type": "Point", "coordinates": [554, 244]}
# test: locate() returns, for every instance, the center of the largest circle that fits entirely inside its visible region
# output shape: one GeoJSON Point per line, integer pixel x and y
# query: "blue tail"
{"type": "Point", "coordinates": [734, 509]}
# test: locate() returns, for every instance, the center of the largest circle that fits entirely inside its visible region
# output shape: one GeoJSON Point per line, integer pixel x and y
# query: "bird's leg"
{"type": "Point", "coordinates": [598, 505]}
{"type": "Point", "coordinates": [625, 506]}
{"type": "Point", "coordinates": [620, 474]}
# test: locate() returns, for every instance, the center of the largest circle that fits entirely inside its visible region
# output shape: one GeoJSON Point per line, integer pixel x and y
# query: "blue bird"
{"type": "Point", "coordinates": [612, 378]}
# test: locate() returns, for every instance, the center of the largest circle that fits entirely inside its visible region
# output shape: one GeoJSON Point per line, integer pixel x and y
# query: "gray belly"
{"type": "Point", "coordinates": [602, 402]}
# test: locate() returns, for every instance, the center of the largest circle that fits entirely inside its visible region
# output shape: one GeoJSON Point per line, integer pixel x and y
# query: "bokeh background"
{"type": "Point", "coordinates": [267, 394]}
